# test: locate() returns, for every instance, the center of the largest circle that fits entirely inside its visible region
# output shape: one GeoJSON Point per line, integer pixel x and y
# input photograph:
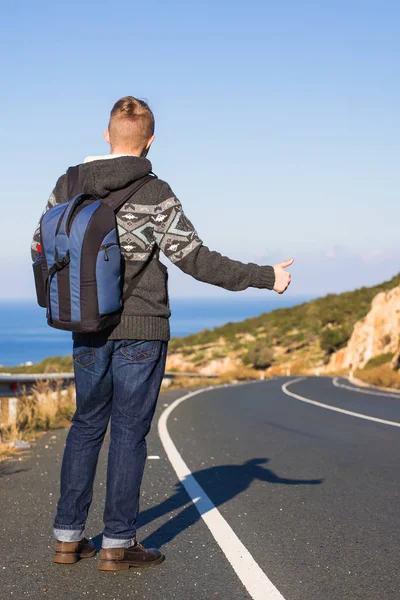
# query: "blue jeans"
{"type": "Point", "coordinates": [118, 380]}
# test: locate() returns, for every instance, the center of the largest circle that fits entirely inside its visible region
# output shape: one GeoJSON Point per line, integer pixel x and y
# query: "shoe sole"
{"type": "Point", "coordinates": [116, 565]}
{"type": "Point", "coordinates": [64, 558]}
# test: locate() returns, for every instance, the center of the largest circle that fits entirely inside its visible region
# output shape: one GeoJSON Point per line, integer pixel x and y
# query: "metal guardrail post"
{"type": "Point", "coordinates": [8, 411]}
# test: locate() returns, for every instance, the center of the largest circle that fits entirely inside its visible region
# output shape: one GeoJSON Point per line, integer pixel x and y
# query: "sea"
{"type": "Point", "coordinates": [25, 336]}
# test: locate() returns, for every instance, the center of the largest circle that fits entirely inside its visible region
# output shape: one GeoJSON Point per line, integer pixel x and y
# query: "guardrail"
{"type": "Point", "coordinates": [13, 385]}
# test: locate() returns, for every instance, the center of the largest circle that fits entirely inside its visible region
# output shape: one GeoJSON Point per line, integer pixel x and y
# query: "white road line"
{"type": "Point", "coordinates": [250, 574]}
{"type": "Point", "coordinates": [362, 391]}
{"type": "Point", "coordinates": [335, 408]}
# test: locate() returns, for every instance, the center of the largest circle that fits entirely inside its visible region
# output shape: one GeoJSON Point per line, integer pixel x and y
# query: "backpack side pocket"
{"type": "Point", "coordinates": [108, 275]}
{"type": "Point", "coordinates": [40, 283]}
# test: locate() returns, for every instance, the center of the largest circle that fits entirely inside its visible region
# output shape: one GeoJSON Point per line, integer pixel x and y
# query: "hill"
{"type": "Point", "coordinates": [301, 337]}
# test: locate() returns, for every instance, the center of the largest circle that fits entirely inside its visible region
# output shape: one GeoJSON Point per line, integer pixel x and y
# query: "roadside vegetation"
{"type": "Point", "coordinates": [47, 406]}
{"type": "Point", "coordinates": [303, 336]}
{"type": "Point", "coordinates": [54, 364]}
{"type": "Point", "coordinates": [330, 320]}
{"type": "Point", "coordinates": [378, 372]}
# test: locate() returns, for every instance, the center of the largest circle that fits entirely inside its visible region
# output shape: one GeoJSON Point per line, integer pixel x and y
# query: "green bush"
{"type": "Point", "coordinates": [377, 361]}
{"type": "Point", "coordinates": [218, 355]}
{"type": "Point", "coordinates": [334, 338]}
{"type": "Point", "coordinates": [259, 355]}
{"type": "Point", "coordinates": [296, 338]}
{"type": "Point", "coordinates": [199, 358]}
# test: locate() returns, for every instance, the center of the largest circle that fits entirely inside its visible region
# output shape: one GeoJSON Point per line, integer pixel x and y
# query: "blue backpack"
{"type": "Point", "coordinates": [78, 272]}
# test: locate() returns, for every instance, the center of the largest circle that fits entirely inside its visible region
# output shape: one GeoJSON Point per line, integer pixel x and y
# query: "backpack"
{"type": "Point", "coordinates": [78, 272]}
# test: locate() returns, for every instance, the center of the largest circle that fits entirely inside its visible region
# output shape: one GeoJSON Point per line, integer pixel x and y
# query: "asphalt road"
{"type": "Point", "coordinates": [311, 493]}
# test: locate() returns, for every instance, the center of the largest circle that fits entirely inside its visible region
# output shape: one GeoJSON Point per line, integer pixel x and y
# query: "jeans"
{"type": "Point", "coordinates": [118, 380]}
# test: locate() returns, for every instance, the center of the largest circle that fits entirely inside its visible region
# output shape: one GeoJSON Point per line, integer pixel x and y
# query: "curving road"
{"type": "Point", "coordinates": [295, 484]}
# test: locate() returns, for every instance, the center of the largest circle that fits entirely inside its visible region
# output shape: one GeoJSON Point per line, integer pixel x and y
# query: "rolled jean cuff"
{"type": "Point", "coordinates": [115, 543]}
{"type": "Point", "coordinates": [69, 535]}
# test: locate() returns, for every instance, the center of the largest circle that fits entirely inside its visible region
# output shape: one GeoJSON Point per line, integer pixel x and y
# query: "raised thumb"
{"type": "Point", "coordinates": [287, 263]}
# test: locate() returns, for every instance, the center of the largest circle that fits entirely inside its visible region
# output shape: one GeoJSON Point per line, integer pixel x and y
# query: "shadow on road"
{"type": "Point", "coordinates": [225, 481]}
{"type": "Point", "coordinates": [10, 468]}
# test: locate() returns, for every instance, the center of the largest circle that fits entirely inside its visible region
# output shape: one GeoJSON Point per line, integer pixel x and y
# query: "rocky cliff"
{"type": "Point", "coordinates": [377, 333]}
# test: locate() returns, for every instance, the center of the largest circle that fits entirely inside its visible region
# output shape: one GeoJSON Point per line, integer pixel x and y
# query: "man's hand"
{"type": "Point", "coordinates": [282, 277]}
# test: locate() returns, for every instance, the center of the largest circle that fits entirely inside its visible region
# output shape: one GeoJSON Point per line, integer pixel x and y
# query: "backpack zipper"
{"type": "Point", "coordinates": [104, 247]}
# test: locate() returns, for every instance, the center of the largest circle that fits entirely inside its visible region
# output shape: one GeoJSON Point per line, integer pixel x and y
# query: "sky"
{"type": "Point", "coordinates": [277, 125]}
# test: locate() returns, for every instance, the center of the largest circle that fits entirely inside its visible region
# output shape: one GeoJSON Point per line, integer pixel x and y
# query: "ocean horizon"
{"type": "Point", "coordinates": [26, 337]}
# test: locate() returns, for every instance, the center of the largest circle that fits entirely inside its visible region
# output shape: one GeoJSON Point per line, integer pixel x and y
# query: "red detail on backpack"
{"type": "Point", "coordinates": [39, 248]}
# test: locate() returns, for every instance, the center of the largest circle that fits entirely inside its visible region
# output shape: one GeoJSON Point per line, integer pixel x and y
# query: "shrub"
{"type": "Point", "coordinates": [199, 358]}
{"type": "Point", "coordinates": [47, 406]}
{"type": "Point", "coordinates": [239, 373]}
{"type": "Point", "coordinates": [259, 355]}
{"type": "Point", "coordinates": [377, 361]}
{"type": "Point", "coordinates": [218, 355]}
{"type": "Point", "coordinates": [334, 338]}
{"type": "Point", "coordinates": [382, 376]}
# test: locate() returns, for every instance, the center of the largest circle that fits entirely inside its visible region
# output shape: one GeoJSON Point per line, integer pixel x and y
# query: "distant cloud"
{"type": "Point", "coordinates": [330, 253]}
{"type": "Point", "coordinates": [337, 269]}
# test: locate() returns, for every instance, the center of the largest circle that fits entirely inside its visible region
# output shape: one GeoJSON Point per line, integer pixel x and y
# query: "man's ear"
{"type": "Point", "coordinates": [146, 149]}
{"type": "Point", "coordinates": [149, 143]}
{"type": "Point", "coordinates": [107, 136]}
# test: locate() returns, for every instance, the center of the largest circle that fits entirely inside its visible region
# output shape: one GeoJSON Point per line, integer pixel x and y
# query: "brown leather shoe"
{"type": "Point", "coordinates": [117, 559]}
{"type": "Point", "coordinates": [68, 553]}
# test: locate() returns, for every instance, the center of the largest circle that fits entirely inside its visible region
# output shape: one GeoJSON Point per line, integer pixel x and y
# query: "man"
{"type": "Point", "coordinates": [118, 373]}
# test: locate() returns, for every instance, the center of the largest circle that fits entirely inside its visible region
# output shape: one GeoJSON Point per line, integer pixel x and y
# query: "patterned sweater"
{"type": "Point", "coordinates": [151, 221]}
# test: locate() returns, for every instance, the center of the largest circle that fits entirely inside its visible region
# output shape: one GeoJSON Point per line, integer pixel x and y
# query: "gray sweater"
{"type": "Point", "coordinates": [151, 221]}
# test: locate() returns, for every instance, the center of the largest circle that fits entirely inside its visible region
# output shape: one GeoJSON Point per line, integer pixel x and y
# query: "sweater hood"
{"type": "Point", "coordinates": [100, 177]}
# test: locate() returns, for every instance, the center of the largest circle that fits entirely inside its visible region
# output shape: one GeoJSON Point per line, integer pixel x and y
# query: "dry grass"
{"type": "Point", "coordinates": [6, 451]}
{"type": "Point", "coordinates": [239, 373]}
{"type": "Point", "coordinates": [48, 406]}
{"type": "Point", "coordinates": [382, 376]}
{"type": "Point", "coordinates": [190, 382]}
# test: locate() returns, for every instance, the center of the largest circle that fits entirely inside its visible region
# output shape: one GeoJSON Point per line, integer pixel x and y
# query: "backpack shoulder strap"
{"type": "Point", "coordinates": [73, 181]}
{"type": "Point", "coordinates": [135, 280]}
{"type": "Point", "coordinates": [117, 199]}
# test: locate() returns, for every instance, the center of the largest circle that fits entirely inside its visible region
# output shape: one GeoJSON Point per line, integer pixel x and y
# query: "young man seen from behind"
{"type": "Point", "coordinates": [118, 372]}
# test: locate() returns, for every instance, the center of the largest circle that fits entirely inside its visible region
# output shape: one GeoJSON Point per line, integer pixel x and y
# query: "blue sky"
{"type": "Point", "coordinates": [277, 125]}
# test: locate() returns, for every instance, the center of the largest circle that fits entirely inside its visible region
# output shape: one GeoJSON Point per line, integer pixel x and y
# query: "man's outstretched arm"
{"type": "Point", "coordinates": [182, 245]}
